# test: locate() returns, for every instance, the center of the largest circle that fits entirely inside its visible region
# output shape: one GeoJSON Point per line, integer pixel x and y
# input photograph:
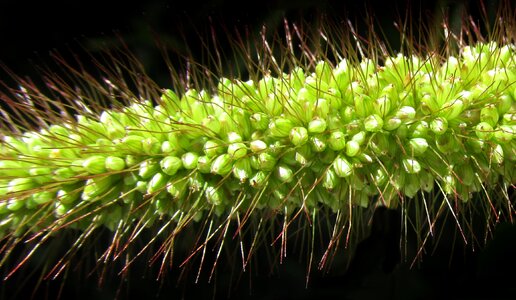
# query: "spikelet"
{"type": "Point", "coordinates": [337, 137]}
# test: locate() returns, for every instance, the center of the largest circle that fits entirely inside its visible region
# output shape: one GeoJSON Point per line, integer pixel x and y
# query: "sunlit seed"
{"type": "Point", "coordinates": [280, 127]}
{"type": "Point", "coordinates": [189, 160]}
{"type": "Point", "coordinates": [284, 173]}
{"type": "Point", "coordinates": [266, 161]}
{"type": "Point", "coordinates": [222, 165]}
{"type": "Point", "coordinates": [158, 182]}
{"type": "Point", "coordinates": [497, 155]}
{"type": "Point", "coordinates": [298, 136]}
{"type": "Point", "coordinates": [234, 137]}
{"type": "Point", "coordinates": [342, 167]}
{"type": "Point", "coordinates": [114, 163]}
{"type": "Point", "coordinates": [237, 150]}
{"type": "Point", "coordinates": [259, 121]}
{"type": "Point", "coordinates": [337, 141]}
{"type": "Point", "coordinates": [132, 144]}
{"type": "Point", "coordinates": [318, 143]}
{"type": "Point", "coordinates": [40, 174]}
{"type": "Point", "coordinates": [504, 134]}
{"type": "Point", "coordinates": [44, 197]}
{"type": "Point", "coordinates": [20, 184]}
{"type": "Point", "coordinates": [352, 148]}
{"type": "Point", "coordinates": [439, 125]}
{"type": "Point", "coordinates": [177, 189]}
{"type": "Point", "coordinates": [317, 126]}
{"type": "Point", "coordinates": [489, 114]}
{"type": "Point", "coordinates": [15, 204]}
{"type": "Point", "coordinates": [68, 195]}
{"type": "Point", "coordinates": [259, 179]}
{"type": "Point", "coordinates": [484, 130]}
{"type": "Point", "coordinates": [61, 174]}
{"type": "Point", "coordinates": [148, 168]}
{"type": "Point", "coordinates": [418, 146]}
{"type": "Point", "coordinates": [406, 113]}
{"type": "Point", "coordinates": [330, 179]}
{"type": "Point", "coordinates": [419, 129]}
{"type": "Point", "coordinates": [392, 123]}
{"type": "Point", "coordinates": [411, 166]}
{"type": "Point", "coordinates": [359, 137]}
{"type": "Point", "coordinates": [131, 160]}
{"type": "Point", "coordinates": [203, 164]}
{"type": "Point", "coordinates": [95, 164]}
{"type": "Point", "coordinates": [242, 169]}
{"type": "Point", "coordinates": [141, 186]}
{"type": "Point", "coordinates": [373, 123]}
{"type": "Point", "coordinates": [213, 148]}
{"type": "Point", "coordinates": [213, 195]}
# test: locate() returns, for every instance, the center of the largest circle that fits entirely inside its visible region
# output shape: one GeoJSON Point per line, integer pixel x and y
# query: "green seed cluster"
{"type": "Point", "coordinates": [350, 132]}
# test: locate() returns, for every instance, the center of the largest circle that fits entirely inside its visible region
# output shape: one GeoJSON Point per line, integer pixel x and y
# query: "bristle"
{"type": "Point", "coordinates": [321, 136]}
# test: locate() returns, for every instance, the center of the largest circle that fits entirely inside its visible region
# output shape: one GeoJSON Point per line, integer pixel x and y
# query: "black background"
{"type": "Point", "coordinates": [30, 31]}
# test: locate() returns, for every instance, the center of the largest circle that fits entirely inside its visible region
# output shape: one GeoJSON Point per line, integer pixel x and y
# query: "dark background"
{"type": "Point", "coordinates": [30, 31]}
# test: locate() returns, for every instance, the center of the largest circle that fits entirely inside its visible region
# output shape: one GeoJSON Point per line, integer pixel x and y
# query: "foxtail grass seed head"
{"type": "Point", "coordinates": [346, 131]}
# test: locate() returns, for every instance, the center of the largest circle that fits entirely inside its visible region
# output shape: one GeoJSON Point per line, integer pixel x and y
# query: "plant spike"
{"type": "Point", "coordinates": [304, 139]}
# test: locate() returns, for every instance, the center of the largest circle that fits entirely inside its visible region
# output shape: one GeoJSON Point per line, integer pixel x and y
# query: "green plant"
{"type": "Point", "coordinates": [320, 135]}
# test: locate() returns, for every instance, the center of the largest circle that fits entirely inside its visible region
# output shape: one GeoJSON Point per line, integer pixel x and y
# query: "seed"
{"type": "Point", "coordinates": [259, 179]}
{"type": "Point", "coordinates": [337, 141]}
{"type": "Point", "coordinates": [330, 179]}
{"type": "Point", "coordinates": [284, 173]}
{"type": "Point", "coordinates": [342, 167]}
{"type": "Point", "coordinates": [95, 164]}
{"type": "Point", "coordinates": [222, 165]}
{"type": "Point", "coordinates": [148, 168]}
{"type": "Point", "coordinates": [298, 136]}
{"type": "Point", "coordinates": [114, 163]}
{"type": "Point", "coordinates": [237, 150]}
{"type": "Point", "coordinates": [189, 160]}
{"type": "Point", "coordinates": [411, 166]}
{"type": "Point", "coordinates": [158, 182]}
{"type": "Point", "coordinates": [439, 125]}
{"type": "Point", "coordinates": [43, 197]}
{"type": "Point", "coordinates": [318, 143]}
{"type": "Point", "coordinates": [489, 114]}
{"type": "Point", "coordinates": [352, 148]}
{"type": "Point", "coordinates": [418, 146]}
{"type": "Point", "coordinates": [151, 146]}
{"type": "Point", "coordinates": [317, 126]}
{"type": "Point", "coordinates": [203, 164]}
{"type": "Point", "coordinates": [242, 169]}
{"type": "Point", "coordinates": [373, 123]}
{"type": "Point", "coordinates": [484, 130]}
{"type": "Point", "coordinates": [280, 127]}
{"type": "Point", "coordinates": [266, 161]}
{"type": "Point", "coordinates": [258, 146]}
{"type": "Point", "coordinates": [20, 184]}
